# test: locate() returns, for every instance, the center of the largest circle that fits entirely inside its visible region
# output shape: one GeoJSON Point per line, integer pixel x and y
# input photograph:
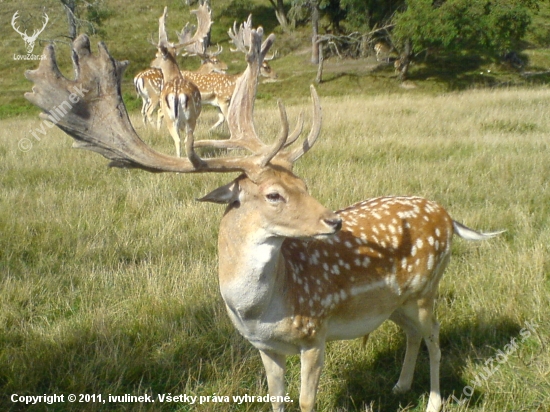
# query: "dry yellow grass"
{"type": "Point", "coordinates": [109, 276]}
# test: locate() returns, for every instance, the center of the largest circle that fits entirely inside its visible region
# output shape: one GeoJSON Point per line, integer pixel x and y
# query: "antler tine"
{"type": "Point", "coordinates": [163, 37]}
{"type": "Point", "coordinates": [275, 55]}
{"type": "Point", "coordinates": [95, 115]}
{"type": "Point", "coordinates": [297, 131]}
{"type": "Point", "coordinates": [152, 41]}
{"type": "Point", "coordinates": [211, 54]}
{"type": "Point", "coordinates": [247, 27]}
{"type": "Point", "coordinates": [295, 154]}
{"type": "Point", "coordinates": [280, 142]}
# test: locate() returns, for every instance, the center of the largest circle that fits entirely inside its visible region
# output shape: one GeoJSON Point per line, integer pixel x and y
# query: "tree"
{"type": "Point", "coordinates": [84, 14]}
{"type": "Point", "coordinates": [490, 28]}
{"type": "Point", "coordinates": [480, 27]}
{"type": "Point", "coordinates": [315, 45]}
{"type": "Point", "coordinates": [343, 16]}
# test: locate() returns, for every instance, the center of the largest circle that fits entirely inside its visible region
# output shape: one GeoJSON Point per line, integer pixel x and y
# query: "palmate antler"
{"type": "Point", "coordinates": [241, 38]}
{"type": "Point", "coordinates": [196, 43]}
{"type": "Point", "coordinates": [98, 121]}
{"type": "Point", "coordinates": [240, 120]}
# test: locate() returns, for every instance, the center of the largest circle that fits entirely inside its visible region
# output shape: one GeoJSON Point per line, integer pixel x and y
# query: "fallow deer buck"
{"type": "Point", "coordinates": [292, 273]}
{"type": "Point", "coordinates": [180, 99]}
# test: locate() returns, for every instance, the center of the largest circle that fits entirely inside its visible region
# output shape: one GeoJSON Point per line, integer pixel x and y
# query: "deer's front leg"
{"type": "Point", "coordinates": [274, 365]}
{"type": "Point", "coordinates": [312, 364]}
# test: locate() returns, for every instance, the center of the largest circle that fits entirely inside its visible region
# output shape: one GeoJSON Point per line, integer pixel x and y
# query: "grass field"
{"type": "Point", "coordinates": [109, 276]}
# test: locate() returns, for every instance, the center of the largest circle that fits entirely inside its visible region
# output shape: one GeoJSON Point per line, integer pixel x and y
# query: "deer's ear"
{"type": "Point", "coordinates": [225, 194]}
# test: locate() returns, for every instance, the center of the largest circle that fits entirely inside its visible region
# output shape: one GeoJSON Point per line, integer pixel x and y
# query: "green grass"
{"type": "Point", "coordinates": [109, 279]}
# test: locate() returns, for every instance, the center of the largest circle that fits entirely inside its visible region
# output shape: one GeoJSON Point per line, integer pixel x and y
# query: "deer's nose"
{"type": "Point", "coordinates": [335, 224]}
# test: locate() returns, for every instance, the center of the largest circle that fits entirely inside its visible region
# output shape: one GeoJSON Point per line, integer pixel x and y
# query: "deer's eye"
{"type": "Point", "coordinates": [274, 197]}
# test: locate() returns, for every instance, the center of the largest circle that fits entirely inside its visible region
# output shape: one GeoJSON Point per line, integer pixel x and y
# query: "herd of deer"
{"type": "Point", "coordinates": [292, 273]}
{"type": "Point", "coordinates": [180, 93]}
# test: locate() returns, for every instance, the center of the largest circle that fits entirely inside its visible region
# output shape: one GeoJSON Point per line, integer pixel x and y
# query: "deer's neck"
{"type": "Point", "coordinates": [170, 71]}
{"type": "Point", "coordinates": [251, 273]}
{"type": "Point", "coordinates": [250, 268]}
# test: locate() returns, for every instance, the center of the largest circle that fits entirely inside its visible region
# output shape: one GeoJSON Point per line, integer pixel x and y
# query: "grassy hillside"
{"type": "Point", "coordinates": [127, 27]}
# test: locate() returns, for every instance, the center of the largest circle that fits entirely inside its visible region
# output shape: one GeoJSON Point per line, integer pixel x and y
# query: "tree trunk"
{"type": "Point", "coordinates": [315, 29]}
{"type": "Point", "coordinates": [70, 8]}
{"type": "Point", "coordinates": [319, 78]}
{"type": "Point", "coordinates": [402, 64]}
{"type": "Point", "coordinates": [280, 13]}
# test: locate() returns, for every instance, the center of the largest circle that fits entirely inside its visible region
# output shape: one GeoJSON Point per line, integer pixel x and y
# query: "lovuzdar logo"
{"type": "Point", "coordinates": [29, 40]}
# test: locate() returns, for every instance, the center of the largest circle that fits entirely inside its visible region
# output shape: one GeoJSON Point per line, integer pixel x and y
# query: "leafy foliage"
{"type": "Point", "coordinates": [356, 15]}
{"type": "Point", "coordinates": [365, 15]}
{"type": "Point", "coordinates": [484, 26]}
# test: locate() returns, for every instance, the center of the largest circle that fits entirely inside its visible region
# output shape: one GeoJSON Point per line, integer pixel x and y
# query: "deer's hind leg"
{"type": "Point", "coordinates": [418, 321]}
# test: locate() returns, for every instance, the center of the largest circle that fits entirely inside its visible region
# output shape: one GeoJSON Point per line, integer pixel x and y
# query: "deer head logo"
{"type": "Point", "coordinates": [29, 40]}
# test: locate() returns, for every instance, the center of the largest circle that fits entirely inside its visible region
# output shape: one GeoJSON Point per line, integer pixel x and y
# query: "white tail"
{"type": "Point", "coordinates": [292, 273]}
{"type": "Point", "coordinates": [469, 234]}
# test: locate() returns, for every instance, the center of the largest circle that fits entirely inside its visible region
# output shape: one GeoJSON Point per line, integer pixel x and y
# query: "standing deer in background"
{"type": "Point", "coordinates": [382, 50]}
{"type": "Point", "coordinates": [180, 100]}
{"type": "Point", "coordinates": [217, 88]}
{"type": "Point", "coordinates": [148, 84]}
{"type": "Point", "coordinates": [292, 273]}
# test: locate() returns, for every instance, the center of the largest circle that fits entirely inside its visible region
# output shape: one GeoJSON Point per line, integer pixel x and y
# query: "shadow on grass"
{"type": "Point", "coordinates": [373, 379]}
{"type": "Point", "coordinates": [239, 10]}
{"type": "Point", "coordinates": [184, 349]}
{"type": "Point", "coordinates": [452, 73]}
{"type": "Point", "coordinates": [195, 350]}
